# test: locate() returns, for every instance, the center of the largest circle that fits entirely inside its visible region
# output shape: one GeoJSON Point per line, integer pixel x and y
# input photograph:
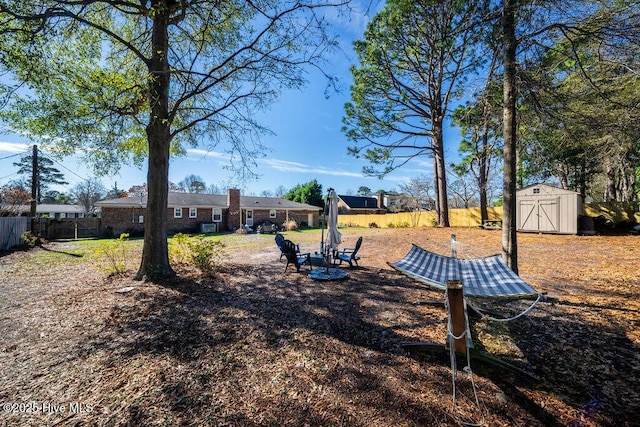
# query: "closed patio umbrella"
{"type": "Point", "coordinates": [334, 237]}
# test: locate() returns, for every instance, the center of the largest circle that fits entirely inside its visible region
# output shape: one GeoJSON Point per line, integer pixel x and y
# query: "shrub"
{"type": "Point", "coordinates": [179, 252]}
{"type": "Point", "coordinates": [290, 225]}
{"type": "Point", "coordinates": [403, 224]}
{"type": "Point", "coordinates": [206, 253]}
{"type": "Point", "coordinates": [114, 255]}
{"type": "Point", "coordinates": [29, 239]}
{"type": "Point", "coordinates": [373, 225]}
{"type": "Point", "coordinates": [198, 251]}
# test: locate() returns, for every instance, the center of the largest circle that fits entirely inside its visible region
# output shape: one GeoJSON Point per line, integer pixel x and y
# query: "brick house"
{"type": "Point", "coordinates": [187, 212]}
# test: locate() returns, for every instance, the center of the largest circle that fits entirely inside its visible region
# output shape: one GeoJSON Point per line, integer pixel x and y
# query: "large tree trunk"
{"type": "Point", "coordinates": [484, 162]}
{"type": "Point", "coordinates": [483, 173]}
{"type": "Point", "coordinates": [610, 194]}
{"type": "Point", "coordinates": [509, 243]}
{"type": "Point", "coordinates": [155, 254]}
{"type": "Point", "coordinates": [440, 174]}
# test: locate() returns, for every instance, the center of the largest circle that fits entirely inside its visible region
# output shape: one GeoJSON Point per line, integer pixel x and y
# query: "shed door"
{"type": "Point", "coordinates": [548, 215]}
{"type": "Point", "coordinates": [541, 215]}
{"type": "Point", "coordinates": [528, 216]}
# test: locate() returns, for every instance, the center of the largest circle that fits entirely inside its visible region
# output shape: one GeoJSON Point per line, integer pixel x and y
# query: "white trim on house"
{"type": "Point", "coordinates": [216, 215]}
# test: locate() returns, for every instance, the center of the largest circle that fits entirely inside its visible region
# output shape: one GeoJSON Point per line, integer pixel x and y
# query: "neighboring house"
{"type": "Point", "coordinates": [192, 212]}
{"type": "Point", "coordinates": [356, 205]}
{"type": "Point", "coordinates": [395, 202]}
{"type": "Point", "coordinates": [47, 210]}
{"type": "Point", "coordinates": [404, 203]}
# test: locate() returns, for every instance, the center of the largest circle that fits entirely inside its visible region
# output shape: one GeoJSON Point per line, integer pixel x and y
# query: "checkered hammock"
{"type": "Point", "coordinates": [486, 277]}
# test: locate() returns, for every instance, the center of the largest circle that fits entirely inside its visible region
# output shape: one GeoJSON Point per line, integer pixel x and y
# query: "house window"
{"type": "Point", "coordinates": [193, 212]}
{"type": "Point", "coordinates": [177, 212]}
{"type": "Point", "coordinates": [536, 191]}
{"type": "Point", "coordinates": [217, 215]}
{"type": "Point", "coordinates": [272, 213]}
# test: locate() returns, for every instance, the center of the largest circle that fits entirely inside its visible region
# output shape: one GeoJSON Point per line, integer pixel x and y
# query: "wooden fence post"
{"type": "Point", "coordinates": [456, 314]}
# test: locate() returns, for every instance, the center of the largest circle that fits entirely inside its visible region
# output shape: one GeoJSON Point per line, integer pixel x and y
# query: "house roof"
{"type": "Point", "coordinates": [248, 202]}
{"type": "Point", "coordinates": [48, 208]}
{"type": "Point", "coordinates": [210, 201]}
{"type": "Point", "coordinates": [360, 202]}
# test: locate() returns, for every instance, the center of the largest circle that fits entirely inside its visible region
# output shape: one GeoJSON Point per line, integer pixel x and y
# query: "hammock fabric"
{"type": "Point", "coordinates": [488, 277]}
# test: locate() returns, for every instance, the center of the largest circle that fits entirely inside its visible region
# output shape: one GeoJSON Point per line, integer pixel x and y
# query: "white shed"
{"type": "Point", "coordinates": [542, 208]}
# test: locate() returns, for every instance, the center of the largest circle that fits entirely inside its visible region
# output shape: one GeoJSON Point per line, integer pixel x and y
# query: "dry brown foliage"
{"type": "Point", "coordinates": [251, 346]}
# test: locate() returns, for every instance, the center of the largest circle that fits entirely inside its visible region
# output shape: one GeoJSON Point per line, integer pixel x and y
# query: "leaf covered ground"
{"type": "Point", "coordinates": [253, 346]}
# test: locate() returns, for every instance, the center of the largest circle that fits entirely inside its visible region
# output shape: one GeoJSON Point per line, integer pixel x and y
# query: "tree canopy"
{"type": "Point", "coordinates": [87, 193]}
{"type": "Point", "coordinates": [130, 80]}
{"type": "Point", "coordinates": [193, 184]}
{"type": "Point", "coordinates": [412, 61]}
{"type": "Point", "coordinates": [46, 173]}
{"type": "Point", "coordinates": [310, 193]}
{"type": "Point", "coordinates": [585, 98]}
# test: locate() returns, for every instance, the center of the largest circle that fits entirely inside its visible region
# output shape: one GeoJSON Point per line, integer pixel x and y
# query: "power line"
{"type": "Point", "coordinates": [64, 167]}
{"type": "Point", "coordinates": [7, 176]}
{"type": "Point", "coordinates": [13, 155]}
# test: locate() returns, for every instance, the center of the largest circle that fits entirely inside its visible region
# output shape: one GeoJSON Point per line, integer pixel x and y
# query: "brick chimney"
{"type": "Point", "coordinates": [381, 200]}
{"type": "Point", "coordinates": [233, 202]}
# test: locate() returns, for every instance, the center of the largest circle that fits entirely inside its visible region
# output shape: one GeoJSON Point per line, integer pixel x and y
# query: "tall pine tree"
{"type": "Point", "coordinates": [46, 174]}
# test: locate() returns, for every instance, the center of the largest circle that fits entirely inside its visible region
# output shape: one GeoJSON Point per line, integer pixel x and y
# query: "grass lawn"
{"type": "Point", "coordinates": [251, 346]}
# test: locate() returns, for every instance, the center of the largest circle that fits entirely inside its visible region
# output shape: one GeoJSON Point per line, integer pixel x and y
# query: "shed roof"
{"type": "Point", "coordinates": [545, 189]}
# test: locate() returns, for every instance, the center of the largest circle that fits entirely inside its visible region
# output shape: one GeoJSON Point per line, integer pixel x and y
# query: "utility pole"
{"type": "Point", "coordinates": [34, 188]}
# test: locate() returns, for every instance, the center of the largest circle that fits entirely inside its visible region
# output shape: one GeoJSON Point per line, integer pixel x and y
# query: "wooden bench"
{"type": "Point", "coordinates": [492, 224]}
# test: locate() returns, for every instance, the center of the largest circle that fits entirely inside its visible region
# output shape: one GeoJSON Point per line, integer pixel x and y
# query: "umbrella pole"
{"type": "Point", "coordinates": [324, 224]}
{"type": "Point", "coordinates": [325, 251]}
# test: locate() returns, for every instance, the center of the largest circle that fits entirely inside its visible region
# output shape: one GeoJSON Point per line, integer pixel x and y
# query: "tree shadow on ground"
{"type": "Point", "coordinates": [300, 351]}
{"type": "Point", "coordinates": [327, 334]}
{"type": "Point", "coordinates": [580, 353]}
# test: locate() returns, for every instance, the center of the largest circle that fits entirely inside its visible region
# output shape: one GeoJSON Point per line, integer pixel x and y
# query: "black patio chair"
{"type": "Point", "coordinates": [291, 251]}
{"type": "Point", "coordinates": [279, 239]}
{"type": "Point", "coordinates": [349, 254]}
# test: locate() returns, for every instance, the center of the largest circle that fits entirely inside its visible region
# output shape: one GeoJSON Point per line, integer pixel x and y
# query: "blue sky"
{"type": "Point", "coordinates": [308, 143]}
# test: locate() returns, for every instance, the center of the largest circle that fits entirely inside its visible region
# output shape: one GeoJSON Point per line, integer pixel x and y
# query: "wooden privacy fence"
{"type": "Point", "coordinates": [470, 217]}
{"type": "Point", "coordinates": [457, 218]}
{"type": "Point", "coordinates": [70, 228]}
{"type": "Point", "coordinates": [11, 228]}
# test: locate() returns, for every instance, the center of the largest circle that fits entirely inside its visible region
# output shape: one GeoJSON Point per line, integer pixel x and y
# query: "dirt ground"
{"type": "Point", "coordinates": [253, 346]}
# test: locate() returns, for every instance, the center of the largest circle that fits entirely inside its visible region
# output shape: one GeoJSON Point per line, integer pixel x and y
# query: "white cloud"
{"type": "Point", "coordinates": [206, 153]}
{"type": "Point", "coordinates": [286, 166]}
{"type": "Point", "coordinates": [13, 147]}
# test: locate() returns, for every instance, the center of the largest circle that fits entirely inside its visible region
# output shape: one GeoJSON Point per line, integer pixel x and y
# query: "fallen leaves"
{"type": "Point", "coordinates": [253, 346]}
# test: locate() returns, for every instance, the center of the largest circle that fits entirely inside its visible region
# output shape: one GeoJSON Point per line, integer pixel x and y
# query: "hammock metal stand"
{"type": "Point", "coordinates": [486, 277]}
